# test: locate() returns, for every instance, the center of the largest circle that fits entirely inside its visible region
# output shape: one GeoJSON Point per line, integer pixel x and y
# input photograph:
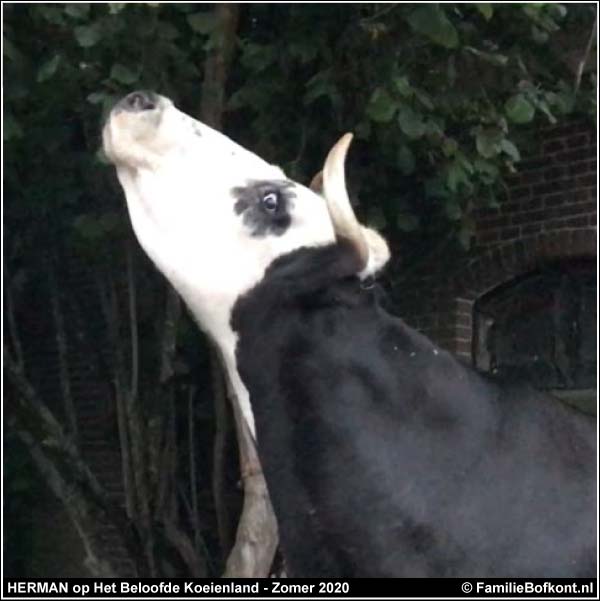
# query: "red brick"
{"type": "Point", "coordinates": [494, 223]}
{"type": "Point", "coordinates": [530, 217]}
{"type": "Point", "coordinates": [579, 221]}
{"type": "Point", "coordinates": [553, 200]}
{"type": "Point", "coordinates": [551, 187]}
{"type": "Point", "coordinates": [578, 140]}
{"type": "Point", "coordinates": [553, 146]}
{"type": "Point", "coordinates": [578, 154]}
{"type": "Point", "coordinates": [581, 167]}
{"type": "Point", "coordinates": [519, 192]}
{"type": "Point", "coordinates": [532, 176]}
{"type": "Point", "coordinates": [586, 180]}
{"type": "Point", "coordinates": [509, 233]}
{"type": "Point", "coordinates": [531, 228]}
{"type": "Point", "coordinates": [490, 237]}
{"type": "Point", "coordinates": [555, 172]}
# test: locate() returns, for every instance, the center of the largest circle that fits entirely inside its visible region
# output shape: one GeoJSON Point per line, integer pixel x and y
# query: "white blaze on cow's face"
{"type": "Point", "coordinates": [210, 214]}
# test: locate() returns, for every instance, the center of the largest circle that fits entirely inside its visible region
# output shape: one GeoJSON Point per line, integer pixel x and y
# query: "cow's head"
{"type": "Point", "coordinates": [212, 215]}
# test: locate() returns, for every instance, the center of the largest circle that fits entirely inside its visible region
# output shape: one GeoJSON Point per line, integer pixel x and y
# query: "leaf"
{"type": "Point", "coordinates": [449, 147]}
{"type": "Point", "coordinates": [465, 236]}
{"type": "Point", "coordinates": [11, 129]}
{"type": "Point", "coordinates": [382, 107]}
{"type": "Point", "coordinates": [87, 35]}
{"type": "Point", "coordinates": [203, 23]}
{"type": "Point", "coordinates": [96, 97]}
{"type": "Point", "coordinates": [410, 122]}
{"type": "Point", "coordinates": [487, 140]}
{"type": "Point", "coordinates": [259, 56]}
{"type": "Point", "coordinates": [494, 58]}
{"type": "Point", "coordinates": [453, 209]}
{"type": "Point", "coordinates": [456, 176]}
{"type": "Point", "coordinates": [123, 74]}
{"type": "Point", "coordinates": [431, 21]}
{"type": "Point", "coordinates": [486, 9]}
{"type": "Point", "coordinates": [48, 69]}
{"type": "Point", "coordinates": [406, 222]}
{"type": "Point", "coordinates": [319, 85]}
{"type": "Point", "coordinates": [518, 109]}
{"type": "Point", "coordinates": [406, 160]}
{"type": "Point", "coordinates": [402, 86]}
{"type": "Point", "coordinates": [78, 10]}
{"type": "Point", "coordinates": [115, 8]}
{"type": "Point", "coordinates": [510, 149]}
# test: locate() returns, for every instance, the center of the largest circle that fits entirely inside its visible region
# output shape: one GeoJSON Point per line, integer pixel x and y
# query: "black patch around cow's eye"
{"type": "Point", "coordinates": [270, 201]}
{"type": "Point", "coordinates": [265, 206]}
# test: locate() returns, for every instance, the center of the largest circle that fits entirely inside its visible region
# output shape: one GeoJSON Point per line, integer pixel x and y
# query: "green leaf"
{"type": "Point", "coordinates": [431, 21]}
{"type": "Point", "coordinates": [123, 74]}
{"type": "Point", "coordinates": [203, 23]}
{"type": "Point", "coordinates": [410, 122]}
{"type": "Point", "coordinates": [96, 97]}
{"type": "Point", "coordinates": [449, 147]}
{"type": "Point", "coordinates": [487, 140]}
{"type": "Point", "coordinates": [115, 8]}
{"type": "Point", "coordinates": [510, 149]}
{"type": "Point", "coordinates": [406, 160]}
{"type": "Point", "coordinates": [465, 236]}
{"type": "Point", "coordinates": [259, 56]}
{"type": "Point", "coordinates": [319, 85]}
{"type": "Point", "coordinates": [494, 58]}
{"type": "Point", "coordinates": [518, 109]}
{"type": "Point", "coordinates": [11, 129]}
{"type": "Point", "coordinates": [407, 222]}
{"type": "Point", "coordinates": [486, 9]}
{"type": "Point", "coordinates": [87, 35]}
{"type": "Point", "coordinates": [78, 10]}
{"type": "Point", "coordinates": [402, 86]}
{"type": "Point", "coordinates": [48, 69]}
{"type": "Point", "coordinates": [382, 107]}
{"type": "Point", "coordinates": [455, 176]}
{"type": "Point", "coordinates": [539, 36]}
{"type": "Point", "coordinates": [453, 209]}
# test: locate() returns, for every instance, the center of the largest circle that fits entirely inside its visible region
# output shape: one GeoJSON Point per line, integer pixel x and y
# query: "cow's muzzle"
{"type": "Point", "coordinates": [139, 101]}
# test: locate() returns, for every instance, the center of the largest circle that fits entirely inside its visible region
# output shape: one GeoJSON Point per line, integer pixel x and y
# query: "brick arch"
{"type": "Point", "coordinates": [501, 264]}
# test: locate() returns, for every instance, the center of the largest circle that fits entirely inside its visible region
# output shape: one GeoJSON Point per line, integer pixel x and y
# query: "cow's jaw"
{"type": "Point", "coordinates": [179, 178]}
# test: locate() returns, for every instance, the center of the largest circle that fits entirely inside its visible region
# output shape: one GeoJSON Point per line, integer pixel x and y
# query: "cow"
{"type": "Point", "coordinates": [384, 455]}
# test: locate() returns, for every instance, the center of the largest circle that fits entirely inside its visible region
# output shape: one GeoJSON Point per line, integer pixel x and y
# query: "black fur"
{"type": "Point", "coordinates": [385, 456]}
{"type": "Point", "coordinates": [260, 221]}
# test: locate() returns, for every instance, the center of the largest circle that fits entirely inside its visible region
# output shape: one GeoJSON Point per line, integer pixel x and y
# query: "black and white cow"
{"type": "Point", "coordinates": [384, 456]}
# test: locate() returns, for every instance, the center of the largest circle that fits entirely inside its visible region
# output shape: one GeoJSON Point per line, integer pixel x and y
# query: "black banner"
{"type": "Point", "coordinates": [287, 588]}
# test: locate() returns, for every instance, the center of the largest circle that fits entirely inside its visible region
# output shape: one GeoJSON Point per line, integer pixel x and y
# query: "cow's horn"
{"type": "Point", "coordinates": [344, 221]}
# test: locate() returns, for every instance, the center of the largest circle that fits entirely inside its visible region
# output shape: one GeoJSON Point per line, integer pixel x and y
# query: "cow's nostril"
{"type": "Point", "coordinates": [139, 101]}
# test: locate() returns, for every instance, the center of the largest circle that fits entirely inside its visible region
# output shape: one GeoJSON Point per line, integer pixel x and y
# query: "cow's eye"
{"type": "Point", "coordinates": [270, 201]}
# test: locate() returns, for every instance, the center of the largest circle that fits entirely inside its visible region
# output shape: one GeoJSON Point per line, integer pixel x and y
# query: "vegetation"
{"type": "Point", "coordinates": [441, 98]}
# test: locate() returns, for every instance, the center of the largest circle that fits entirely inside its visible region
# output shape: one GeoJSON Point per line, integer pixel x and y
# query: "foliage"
{"type": "Point", "coordinates": [441, 98]}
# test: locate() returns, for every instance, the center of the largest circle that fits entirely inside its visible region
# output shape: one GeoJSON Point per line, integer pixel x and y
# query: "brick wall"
{"type": "Point", "coordinates": [548, 213]}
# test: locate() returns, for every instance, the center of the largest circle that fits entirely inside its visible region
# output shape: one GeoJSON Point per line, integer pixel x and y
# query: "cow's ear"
{"type": "Point", "coordinates": [316, 184]}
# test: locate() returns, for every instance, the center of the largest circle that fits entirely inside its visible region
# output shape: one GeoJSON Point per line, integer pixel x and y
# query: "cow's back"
{"type": "Point", "coordinates": [393, 459]}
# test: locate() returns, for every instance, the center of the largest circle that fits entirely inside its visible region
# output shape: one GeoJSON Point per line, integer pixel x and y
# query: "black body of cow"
{"type": "Point", "coordinates": [385, 456]}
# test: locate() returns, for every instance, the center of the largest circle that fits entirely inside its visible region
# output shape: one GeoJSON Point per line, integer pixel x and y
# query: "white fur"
{"type": "Point", "coordinates": [178, 189]}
